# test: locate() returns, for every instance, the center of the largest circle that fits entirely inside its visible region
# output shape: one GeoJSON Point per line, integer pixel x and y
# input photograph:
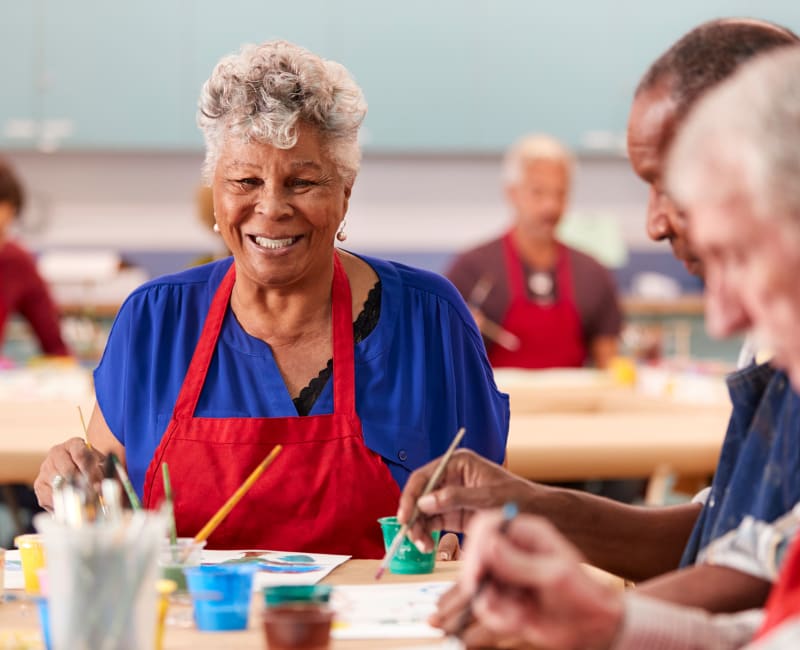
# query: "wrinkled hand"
{"type": "Point", "coordinates": [453, 616]}
{"type": "Point", "coordinates": [534, 588]}
{"type": "Point", "coordinates": [470, 483]}
{"type": "Point", "coordinates": [70, 457]}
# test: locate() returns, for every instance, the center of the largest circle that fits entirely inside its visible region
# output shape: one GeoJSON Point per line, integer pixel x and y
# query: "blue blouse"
{"type": "Point", "coordinates": [420, 374]}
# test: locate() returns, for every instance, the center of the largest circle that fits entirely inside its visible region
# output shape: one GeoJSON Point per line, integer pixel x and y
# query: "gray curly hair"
{"type": "Point", "coordinates": [263, 91]}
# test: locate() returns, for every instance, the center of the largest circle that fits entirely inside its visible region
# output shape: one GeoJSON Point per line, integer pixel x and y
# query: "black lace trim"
{"type": "Point", "coordinates": [362, 327]}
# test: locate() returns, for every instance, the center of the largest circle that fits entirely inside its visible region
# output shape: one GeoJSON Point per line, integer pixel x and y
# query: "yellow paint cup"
{"type": "Point", "coordinates": [31, 554]}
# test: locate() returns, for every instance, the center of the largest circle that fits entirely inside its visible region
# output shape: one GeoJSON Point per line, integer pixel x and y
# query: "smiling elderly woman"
{"type": "Point", "coordinates": [363, 369]}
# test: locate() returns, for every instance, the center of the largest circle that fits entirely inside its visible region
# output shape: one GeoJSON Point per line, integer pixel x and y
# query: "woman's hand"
{"type": "Point", "coordinates": [66, 459]}
{"type": "Point", "coordinates": [449, 548]}
{"type": "Point", "coordinates": [527, 582]}
{"type": "Point", "coordinates": [469, 483]}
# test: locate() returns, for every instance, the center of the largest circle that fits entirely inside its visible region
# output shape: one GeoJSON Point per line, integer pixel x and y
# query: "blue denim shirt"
{"type": "Point", "coordinates": [759, 467]}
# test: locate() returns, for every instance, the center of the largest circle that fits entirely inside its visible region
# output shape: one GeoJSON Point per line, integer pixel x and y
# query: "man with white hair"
{"type": "Point", "coordinates": [539, 303]}
{"type": "Point", "coordinates": [735, 169]}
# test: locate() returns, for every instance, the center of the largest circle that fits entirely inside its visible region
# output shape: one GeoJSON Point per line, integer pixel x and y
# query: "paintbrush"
{"type": "Point", "coordinates": [491, 330]}
{"type": "Point", "coordinates": [170, 507]}
{"type": "Point", "coordinates": [126, 483]}
{"type": "Point", "coordinates": [216, 520]}
{"type": "Point", "coordinates": [85, 429]}
{"type": "Point", "coordinates": [510, 511]}
{"type": "Point", "coordinates": [429, 486]}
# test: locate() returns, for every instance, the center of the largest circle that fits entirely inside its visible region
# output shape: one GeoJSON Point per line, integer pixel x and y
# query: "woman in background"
{"type": "Point", "coordinates": [22, 289]}
{"type": "Point", "coordinates": [362, 369]}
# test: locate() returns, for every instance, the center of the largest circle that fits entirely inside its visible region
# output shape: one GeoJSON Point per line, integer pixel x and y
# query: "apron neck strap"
{"type": "Point", "coordinates": [204, 350]}
{"type": "Point", "coordinates": [343, 363]}
{"type": "Point", "coordinates": [344, 401]}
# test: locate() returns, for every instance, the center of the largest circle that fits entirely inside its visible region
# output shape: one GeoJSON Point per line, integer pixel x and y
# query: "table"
{"type": "Point", "coordinates": [617, 444]}
{"type": "Point", "coordinates": [22, 615]}
{"type": "Point", "coordinates": [28, 429]}
{"type": "Point", "coordinates": [559, 431]}
{"type": "Point", "coordinates": [562, 446]}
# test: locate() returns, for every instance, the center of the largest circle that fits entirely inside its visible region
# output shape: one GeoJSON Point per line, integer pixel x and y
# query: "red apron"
{"type": "Point", "coordinates": [550, 335]}
{"type": "Point", "coordinates": [322, 494]}
{"type": "Point", "coordinates": [784, 599]}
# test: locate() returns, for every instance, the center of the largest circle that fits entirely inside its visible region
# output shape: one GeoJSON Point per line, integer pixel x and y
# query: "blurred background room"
{"type": "Point", "coordinates": [98, 119]}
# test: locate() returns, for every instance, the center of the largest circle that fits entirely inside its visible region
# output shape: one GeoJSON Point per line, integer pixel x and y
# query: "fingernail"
{"type": "Point", "coordinates": [420, 546]}
{"type": "Point", "coordinates": [444, 556]}
{"type": "Point", "coordinates": [427, 502]}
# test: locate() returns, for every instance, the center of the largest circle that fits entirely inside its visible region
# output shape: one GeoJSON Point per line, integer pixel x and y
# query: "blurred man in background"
{"type": "Point", "coordinates": [539, 303]}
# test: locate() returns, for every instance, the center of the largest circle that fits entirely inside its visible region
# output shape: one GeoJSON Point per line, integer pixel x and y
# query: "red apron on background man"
{"type": "Point", "coordinates": [550, 335]}
{"type": "Point", "coordinates": [322, 494]}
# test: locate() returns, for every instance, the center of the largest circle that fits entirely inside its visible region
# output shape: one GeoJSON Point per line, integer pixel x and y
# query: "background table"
{"type": "Point", "coordinates": [558, 431]}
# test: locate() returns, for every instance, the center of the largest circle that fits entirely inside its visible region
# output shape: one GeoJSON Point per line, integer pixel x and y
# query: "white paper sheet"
{"type": "Point", "coordinates": [281, 567]}
{"type": "Point", "coordinates": [13, 578]}
{"type": "Point", "coordinates": [390, 611]}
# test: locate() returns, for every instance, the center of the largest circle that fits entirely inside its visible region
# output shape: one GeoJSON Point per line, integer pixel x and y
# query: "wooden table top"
{"type": "Point", "coordinates": [558, 446]}
{"type": "Point", "coordinates": [21, 616]}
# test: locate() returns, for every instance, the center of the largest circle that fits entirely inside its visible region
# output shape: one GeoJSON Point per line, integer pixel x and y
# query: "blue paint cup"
{"type": "Point", "coordinates": [44, 619]}
{"type": "Point", "coordinates": [221, 595]}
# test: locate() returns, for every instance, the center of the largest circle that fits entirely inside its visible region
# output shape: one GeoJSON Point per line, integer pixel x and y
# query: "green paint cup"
{"type": "Point", "coordinates": [408, 558]}
{"type": "Point", "coordinates": [276, 595]}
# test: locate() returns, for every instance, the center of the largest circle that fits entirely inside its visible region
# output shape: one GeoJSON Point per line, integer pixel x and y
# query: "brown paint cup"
{"type": "Point", "coordinates": [298, 626]}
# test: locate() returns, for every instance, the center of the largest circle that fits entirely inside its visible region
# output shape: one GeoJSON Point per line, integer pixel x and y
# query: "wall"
{"type": "Point", "coordinates": [427, 206]}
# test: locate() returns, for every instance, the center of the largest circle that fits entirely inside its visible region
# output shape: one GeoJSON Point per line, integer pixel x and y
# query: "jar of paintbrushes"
{"type": "Point", "coordinates": [102, 565]}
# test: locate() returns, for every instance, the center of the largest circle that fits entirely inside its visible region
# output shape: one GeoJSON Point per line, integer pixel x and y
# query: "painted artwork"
{"type": "Point", "coordinates": [280, 567]}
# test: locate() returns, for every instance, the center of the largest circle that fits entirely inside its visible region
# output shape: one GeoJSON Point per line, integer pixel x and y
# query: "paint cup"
{"type": "Point", "coordinates": [298, 625]}
{"type": "Point", "coordinates": [44, 620]}
{"type": "Point", "coordinates": [408, 558]}
{"type": "Point", "coordinates": [221, 595]}
{"type": "Point", "coordinates": [101, 579]}
{"type": "Point", "coordinates": [284, 594]}
{"type": "Point", "coordinates": [32, 557]}
{"type": "Point", "coordinates": [173, 559]}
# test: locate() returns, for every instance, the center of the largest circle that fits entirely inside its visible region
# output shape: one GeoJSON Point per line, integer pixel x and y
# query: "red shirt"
{"type": "Point", "coordinates": [22, 290]}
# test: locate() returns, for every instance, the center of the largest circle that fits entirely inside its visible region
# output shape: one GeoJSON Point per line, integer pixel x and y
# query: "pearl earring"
{"type": "Point", "coordinates": [341, 235]}
{"type": "Point", "coordinates": [216, 228]}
